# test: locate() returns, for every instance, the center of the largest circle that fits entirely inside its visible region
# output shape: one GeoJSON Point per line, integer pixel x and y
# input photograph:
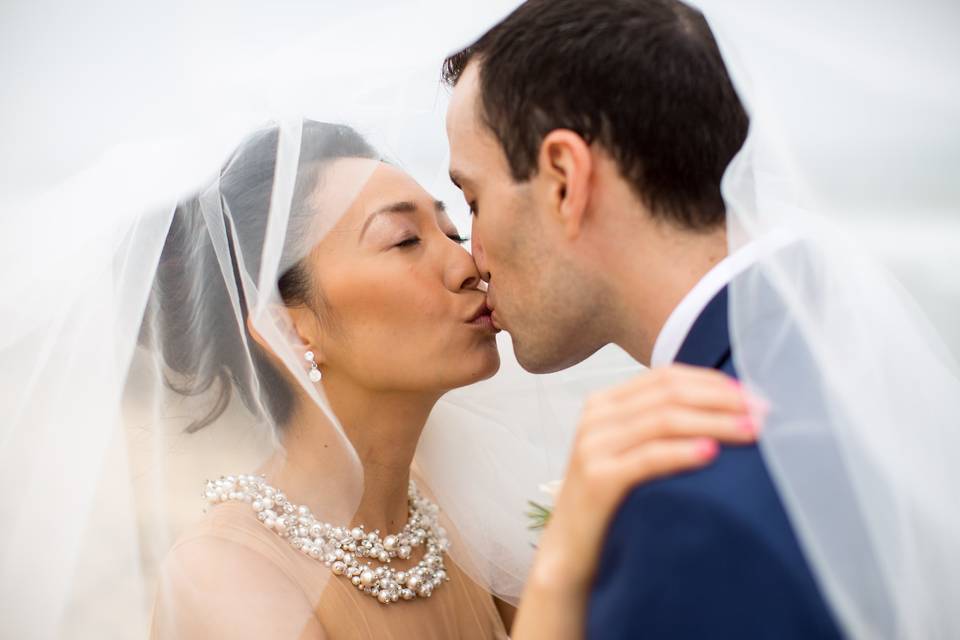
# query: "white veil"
{"type": "Point", "coordinates": [141, 251]}
{"type": "Point", "coordinates": [113, 114]}
{"type": "Point", "coordinates": [850, 330]}
{"type": "Point", "coordinates": [854, 150]}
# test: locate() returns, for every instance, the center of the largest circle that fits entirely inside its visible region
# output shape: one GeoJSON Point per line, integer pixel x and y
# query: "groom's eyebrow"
{"type": "Point", "coordinates": [403, 206]}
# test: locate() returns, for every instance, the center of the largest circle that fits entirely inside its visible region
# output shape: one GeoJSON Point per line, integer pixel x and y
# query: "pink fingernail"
{"type": "Point", "coordinates": [707, 448]}
{"type": "Point", "coordinates": [758, 405]}
{"type": "Point", "coordinates": [746, 425]}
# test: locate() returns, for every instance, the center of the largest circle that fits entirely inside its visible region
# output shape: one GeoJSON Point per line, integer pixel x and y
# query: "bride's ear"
{"type": "Point", "coordinates": [566, 164]}
{"type": "Point", "coordinates": [302, 322]}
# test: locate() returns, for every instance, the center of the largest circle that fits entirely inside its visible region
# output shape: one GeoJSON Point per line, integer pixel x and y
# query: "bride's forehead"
{"type": "Point", "coordinates": [387, 184]}
{"type": "Point", "coordinates": [388, 176]}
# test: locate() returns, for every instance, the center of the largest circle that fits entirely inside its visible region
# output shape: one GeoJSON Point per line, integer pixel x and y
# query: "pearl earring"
{"type": "Point", "coordinates": [314, 373]}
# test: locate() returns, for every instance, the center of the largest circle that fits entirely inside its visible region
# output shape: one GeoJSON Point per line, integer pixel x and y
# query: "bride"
{"type": "Point", "coordinates": [325, 290]}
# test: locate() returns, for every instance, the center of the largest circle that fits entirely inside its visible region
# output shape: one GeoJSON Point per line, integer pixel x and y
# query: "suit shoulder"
{"type": "Point", "coordinates": [737, 486]}
{"type": "Point", "coordinates": [719, 539]}
{"type": "Point", "coordinates": [730, 505]}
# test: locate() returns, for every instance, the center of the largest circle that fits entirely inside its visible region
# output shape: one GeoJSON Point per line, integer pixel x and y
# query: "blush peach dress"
{"type": "Point", "coordinates": [230, 577]}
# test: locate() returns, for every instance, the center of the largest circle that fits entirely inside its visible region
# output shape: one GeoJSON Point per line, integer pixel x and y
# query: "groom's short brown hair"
{"type": "Point", "coordinates": [642, 78]}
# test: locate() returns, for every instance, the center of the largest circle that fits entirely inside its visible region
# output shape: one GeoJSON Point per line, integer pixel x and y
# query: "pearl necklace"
{"type": "Point", "coordinates": [341, 549]}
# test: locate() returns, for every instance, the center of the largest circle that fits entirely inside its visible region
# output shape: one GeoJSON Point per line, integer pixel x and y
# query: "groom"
{"type": "Point", "coordinates": [589, 139]}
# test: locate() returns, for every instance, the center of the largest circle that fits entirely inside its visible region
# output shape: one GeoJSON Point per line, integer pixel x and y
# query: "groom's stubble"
{"type": "Point", "coordinates": [558, 313]}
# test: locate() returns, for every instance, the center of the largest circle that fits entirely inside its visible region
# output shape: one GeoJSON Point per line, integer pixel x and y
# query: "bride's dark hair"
{"type": "Point", "coordinates": [191, 318]}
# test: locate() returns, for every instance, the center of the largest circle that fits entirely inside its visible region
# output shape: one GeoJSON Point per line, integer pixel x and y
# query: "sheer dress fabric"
{"type": "Point", "coordinates": [238, 560]}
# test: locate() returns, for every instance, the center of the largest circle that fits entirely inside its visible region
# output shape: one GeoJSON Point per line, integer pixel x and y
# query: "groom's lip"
{"type": "Point", "coordinates": [495, 320]}
{"type": "Point", "coordinates": [491, 306]}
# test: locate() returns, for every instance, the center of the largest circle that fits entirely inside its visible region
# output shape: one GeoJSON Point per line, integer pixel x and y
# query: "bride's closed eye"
{"type": "Point", "coordinates": [415, 240]}
{"type": "Point", "coordinates": [409, 242]}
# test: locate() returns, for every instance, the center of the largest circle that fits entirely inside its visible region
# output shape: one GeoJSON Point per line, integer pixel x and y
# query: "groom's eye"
{"type": "Point", "coordinates": [473, 208]}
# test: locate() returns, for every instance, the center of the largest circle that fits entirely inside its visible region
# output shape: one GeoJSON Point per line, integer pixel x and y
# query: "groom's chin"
{"type": "Point", "coordinates": [548, 358]}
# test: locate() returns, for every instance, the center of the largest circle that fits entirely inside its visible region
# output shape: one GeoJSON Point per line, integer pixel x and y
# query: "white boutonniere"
{"type": "Point", "coordinates": [539, 513]}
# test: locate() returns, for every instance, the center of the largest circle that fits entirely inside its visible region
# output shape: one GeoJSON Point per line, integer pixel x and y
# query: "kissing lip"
{"type": "Point", "coordinates": [495, 321]}
{"type": "Point", "coordinates": [482, 310]}
{"type": "Point", "coordinates": [482, 318]}
{"type": "Point", "coordinates": [492, 310]}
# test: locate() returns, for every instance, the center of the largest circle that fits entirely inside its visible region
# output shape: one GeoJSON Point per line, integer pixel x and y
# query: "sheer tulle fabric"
{"type": "Point", "coordinates": [849, 134]}
{"type": "Point", "coordinates": [210, 307]}
{"type": "Point", "coordinates": [853, 151]}
{"type": "Point", "coordinates": [94, 297]}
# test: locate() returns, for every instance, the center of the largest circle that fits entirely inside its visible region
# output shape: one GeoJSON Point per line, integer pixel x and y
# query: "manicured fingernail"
{"type": "Point", "coordinates": [747, 425]}
{"type": "Point", "coordinates": [706, 448]}
{"type": "Point", "coordinates": [736, 383]}
{"type": "Point", "coordinates": [757, 405]}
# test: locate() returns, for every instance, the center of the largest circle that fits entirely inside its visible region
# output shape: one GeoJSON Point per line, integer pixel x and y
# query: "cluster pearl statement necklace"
{"type": "Point", "coordinates": [349, 552]}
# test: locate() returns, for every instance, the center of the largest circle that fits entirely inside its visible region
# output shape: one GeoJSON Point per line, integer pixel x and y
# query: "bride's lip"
{"type": "Point", "coordinates": [482, 310]}
{"type": "Point", "coordinates": [483, 319]}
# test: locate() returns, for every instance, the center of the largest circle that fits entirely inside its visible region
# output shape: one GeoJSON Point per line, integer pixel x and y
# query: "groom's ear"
{"type": "Point", "coordinates": [565, 167]}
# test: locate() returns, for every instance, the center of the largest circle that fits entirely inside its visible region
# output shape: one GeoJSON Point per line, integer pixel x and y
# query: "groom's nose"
{"type": "Point", "coordinates": [479, 256]}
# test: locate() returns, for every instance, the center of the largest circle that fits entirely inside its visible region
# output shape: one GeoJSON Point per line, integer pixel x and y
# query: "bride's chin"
{"type": "Point", "coordinates": [492, 370]}
{"type": "Point", "coordinates": [475, 365]}
{"type": "Point", "coordinates": [486, 370]}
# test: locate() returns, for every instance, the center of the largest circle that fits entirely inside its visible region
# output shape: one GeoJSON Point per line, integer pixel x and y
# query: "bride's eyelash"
{"type": "Point", "coordinates": [415, 240]}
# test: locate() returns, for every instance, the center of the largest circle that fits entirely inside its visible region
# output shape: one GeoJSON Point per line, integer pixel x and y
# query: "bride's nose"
{"type": "Point", "coordinates": [461, 273]}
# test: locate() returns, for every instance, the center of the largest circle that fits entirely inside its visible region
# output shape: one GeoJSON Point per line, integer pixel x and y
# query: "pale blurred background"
{"type": "Point", "coordinates": [69, 96]}
{"type": "Point", "coordinates": [179, 83]}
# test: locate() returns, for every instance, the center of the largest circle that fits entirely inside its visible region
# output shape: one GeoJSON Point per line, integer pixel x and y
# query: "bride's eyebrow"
{"type": "Point", "coordinates": [403, 206]}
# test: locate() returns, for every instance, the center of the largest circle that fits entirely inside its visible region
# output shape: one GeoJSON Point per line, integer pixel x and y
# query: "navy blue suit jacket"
{"type": "Point", "coordinates": [708, 554]}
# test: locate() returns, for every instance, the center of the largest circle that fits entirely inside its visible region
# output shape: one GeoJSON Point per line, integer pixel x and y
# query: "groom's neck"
{"type": "Point", "coordinates": [654, 279]}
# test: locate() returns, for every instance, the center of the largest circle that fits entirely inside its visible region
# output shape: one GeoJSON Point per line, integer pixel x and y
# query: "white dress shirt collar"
{"type": "Point", "coordinates": [681, 320]}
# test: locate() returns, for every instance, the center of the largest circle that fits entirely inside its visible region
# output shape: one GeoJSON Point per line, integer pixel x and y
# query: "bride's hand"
{"type": "Point", "coordinates": [663, 422]}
